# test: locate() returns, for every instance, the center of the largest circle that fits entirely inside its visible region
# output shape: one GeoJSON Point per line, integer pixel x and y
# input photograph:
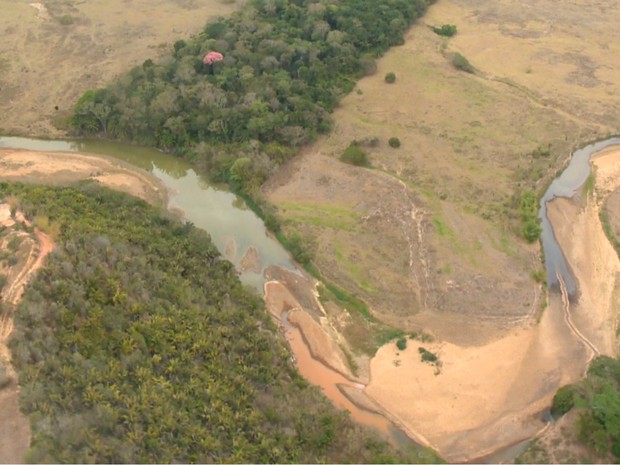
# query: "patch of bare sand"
{"type": "Point", "coordinates": [67, 167]}
{"type": "Point", "coordinates": [322, 346]}
{"type": "Point", "coordinates": [596, 266]}
{"type": "Point", "coordinates": [589, 253]}
{"type": "Point", "coordinates": [485, 397]}
{"type": "Point", "coordinates": [320, 340]}
{"type": "Point", "coordinates": [230, 252]}
{"type": "Point", "coordinates": [250, 260]}
{"type": "Point", "coordinates": [320, 360]}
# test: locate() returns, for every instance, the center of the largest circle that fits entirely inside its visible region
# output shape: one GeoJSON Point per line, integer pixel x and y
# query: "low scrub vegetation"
{"type": "Point", "coordinates": [447, 30]}
{"type": "Point", "coordinates": [394, 142]}
{"type": "Point", "coordinates": [528, 211]}
{"type": "Point", "coordinates": [355, 155]}
{"type": "Point", "coordinates": [390, 78]}
{"type": "Point", "coordinates": [461, 63]}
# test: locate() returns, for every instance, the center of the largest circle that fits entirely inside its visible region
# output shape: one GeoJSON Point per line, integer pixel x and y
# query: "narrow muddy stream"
{"type": "Point", "coordinates": [233, 227]}
{"type": "Point", "coordinates": [565, 185]}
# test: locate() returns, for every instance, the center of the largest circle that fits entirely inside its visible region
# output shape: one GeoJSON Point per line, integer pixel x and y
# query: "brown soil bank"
{"type": "Point", "coordinates": [596, 266]}
{"type": "Point", "coordinates": [54, 50]}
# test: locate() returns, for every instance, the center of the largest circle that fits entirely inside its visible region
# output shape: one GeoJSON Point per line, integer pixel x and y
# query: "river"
{"type": "Point", "coordinates": [228, 220]}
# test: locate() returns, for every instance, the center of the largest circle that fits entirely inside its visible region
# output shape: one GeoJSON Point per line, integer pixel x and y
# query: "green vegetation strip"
{"type": "Point", "coordinates": [138, 343]}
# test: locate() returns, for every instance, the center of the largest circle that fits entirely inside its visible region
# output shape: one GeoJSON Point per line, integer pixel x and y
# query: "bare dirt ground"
{"type": "Point", "coordinates": [53, 51]}
{"type": "Point", "coordinates": [596, 265]}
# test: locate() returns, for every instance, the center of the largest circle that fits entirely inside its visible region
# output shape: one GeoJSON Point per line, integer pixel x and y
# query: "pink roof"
{"type": "Point", "coordinates": [212, 57]}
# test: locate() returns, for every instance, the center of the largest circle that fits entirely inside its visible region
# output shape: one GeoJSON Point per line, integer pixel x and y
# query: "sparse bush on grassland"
{"type": "Point", "coordinates": [354, 155]}
{"type": "Point", "coordinates": [394, 142]}
{"type": "Point", "coordinates": [461, 63]}
{"type": "Point", "coordinates": [447, 30]}
{"type": "Point", "coordinates": [390, 78]}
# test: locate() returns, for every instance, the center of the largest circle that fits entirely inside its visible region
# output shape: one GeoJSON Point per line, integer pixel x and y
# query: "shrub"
{"type": "Point", "coordinates": [540, 276]}
{"type": "Point", "coordinates": [66, 20]}
{"type": "Point", "coordinates": [427, 356]}
{"type": "Point", "coordinates": [299, 249]}
{"type": "Point", "coordinates": [528, 210]}
{"type": "Point", "coordinates": [5, 378]}
{"type": "Point", "coordinates": [401, 343]}
{"type": "Point", "coordinates": [531, 231]}
{"type": "Point", "coordinates": [447, 30]}
{"type": "Point", "coordinates": [563, 401]}
{"type": "Point", "coordinates": [390, 77]}
{"type": "Point", "coordinates": [461, 63]}
{"type": "Point", "coordinates": [394, 142]}
{"type": "Point", "coordinates": [354, 155]}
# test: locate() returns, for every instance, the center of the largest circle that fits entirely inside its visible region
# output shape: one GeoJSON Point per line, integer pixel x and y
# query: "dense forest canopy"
{"type": "Point", "coordinates": [138, 343]}
{"type": "Point", "coordinates": [286, 64]}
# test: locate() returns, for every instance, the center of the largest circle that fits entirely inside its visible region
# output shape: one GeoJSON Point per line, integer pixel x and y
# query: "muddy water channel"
{"type": "Point", "coordinates": [565, 185]}
{"type": "Point", "coordinates": [235, 230]}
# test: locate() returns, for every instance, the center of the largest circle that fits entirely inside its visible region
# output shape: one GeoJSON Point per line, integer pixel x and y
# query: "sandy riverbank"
{"type": "Point", "coordinates": [66, 167]}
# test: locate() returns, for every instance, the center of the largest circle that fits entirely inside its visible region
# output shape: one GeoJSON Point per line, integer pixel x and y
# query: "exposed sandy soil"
{"type": "Point", "coordinates": [596, 266]}
{"type": "Point", "coordinates": [67, 167]}
{"type": "Point", "coordinates": [481, 400]}
{"type": "Point", "coordinates": [319, 339]}
{"type": "Point", "coordinates": [484, 397]}
{"type": "Point", "coordinates": [45, 64]}
{"type": "Point", "coordinates": [250, 260]}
